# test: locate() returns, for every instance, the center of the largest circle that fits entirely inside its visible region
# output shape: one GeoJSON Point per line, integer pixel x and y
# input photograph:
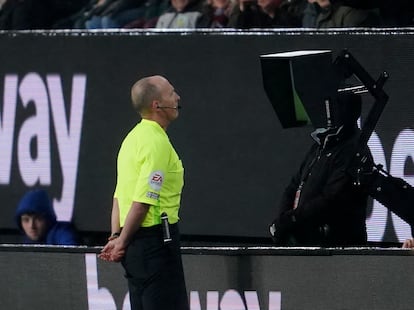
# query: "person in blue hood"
{"type": "Point", "coordinates": [36, 218]}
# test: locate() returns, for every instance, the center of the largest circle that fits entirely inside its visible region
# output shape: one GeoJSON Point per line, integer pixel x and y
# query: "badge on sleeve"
{"type": "Point", "coordinates": [155, 180]}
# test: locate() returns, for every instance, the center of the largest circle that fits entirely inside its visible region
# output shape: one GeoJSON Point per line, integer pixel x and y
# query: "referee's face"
{"type": "Point", "coordinates": [169, 101]}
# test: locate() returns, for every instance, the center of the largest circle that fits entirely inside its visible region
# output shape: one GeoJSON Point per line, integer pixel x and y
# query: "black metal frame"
{"type": "Point", "coordinates": [394, 193]}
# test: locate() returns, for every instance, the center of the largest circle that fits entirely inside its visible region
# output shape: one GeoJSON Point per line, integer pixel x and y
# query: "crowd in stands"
{"type": "Point", "coordinates": [241, 14]}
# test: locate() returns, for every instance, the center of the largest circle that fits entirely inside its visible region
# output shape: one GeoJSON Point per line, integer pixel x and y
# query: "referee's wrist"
{"type": "Point", "coordinates": [114, 236]}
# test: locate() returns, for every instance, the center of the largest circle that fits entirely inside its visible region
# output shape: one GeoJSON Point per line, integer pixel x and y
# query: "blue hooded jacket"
{"type": "Point", "coordinates": [37, 202]}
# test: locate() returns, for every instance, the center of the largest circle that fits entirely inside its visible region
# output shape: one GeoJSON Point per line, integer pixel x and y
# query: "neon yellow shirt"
{"type": "Point", "coordinates": [149, 171]}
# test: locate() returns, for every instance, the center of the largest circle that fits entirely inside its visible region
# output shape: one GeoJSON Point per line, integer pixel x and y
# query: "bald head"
{"type": "Point", "coordinates": [154, 98]}
{"type": "Point", "coordinates": [145, 91]}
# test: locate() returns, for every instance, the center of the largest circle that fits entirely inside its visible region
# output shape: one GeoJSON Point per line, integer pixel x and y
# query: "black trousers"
{"type": "Point", "coordinates": [154, 271]}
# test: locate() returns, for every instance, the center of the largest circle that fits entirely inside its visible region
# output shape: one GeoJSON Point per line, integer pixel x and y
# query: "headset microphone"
{"type": "Point", "coordinates": [178, 107]}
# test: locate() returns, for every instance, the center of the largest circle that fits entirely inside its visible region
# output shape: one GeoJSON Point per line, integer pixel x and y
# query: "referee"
{"type": "Point", "coordinates": [150, 177]}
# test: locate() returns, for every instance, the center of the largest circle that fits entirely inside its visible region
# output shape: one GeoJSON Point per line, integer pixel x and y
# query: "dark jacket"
{"type": "Point", "coordinates": [212, 18]}
{"type": "Point", "coordinates": [37, 202]}
{"type": "Point", "coordinates": [331, 211]}
{"type": "Point", "coordinates": [25, 14]}
{"type": "Point", "coordinates": [338, 15]}
{"type": "Point", "coordinates": [286, 15]}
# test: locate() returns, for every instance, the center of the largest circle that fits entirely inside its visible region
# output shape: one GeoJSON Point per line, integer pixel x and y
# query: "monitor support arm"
{"type": "Point", "coordinates": [394, 193]}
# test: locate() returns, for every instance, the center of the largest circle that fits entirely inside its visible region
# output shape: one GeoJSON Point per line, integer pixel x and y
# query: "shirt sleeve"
{"type": "Point", "coordinates": [151, 177]}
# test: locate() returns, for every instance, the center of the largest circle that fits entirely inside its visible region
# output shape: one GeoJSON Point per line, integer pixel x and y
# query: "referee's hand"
{"type": "Point", "coordinates": [113, 251]}
{"type": "Point", "coordinates": [408, 244]}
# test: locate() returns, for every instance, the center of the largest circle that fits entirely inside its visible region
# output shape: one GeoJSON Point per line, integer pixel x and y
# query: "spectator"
{"type": "Point", "coordinates": [182, 14]}
{"type": "Point", "coordinates": [36, 218]}
{"type": "Point", "coordinates": [77, 19]}
{"type": "Point", "coordinates": [34, 14]}
{"type": "Point", "coordinates": [24, 15]}
{"type": "Point", "coordinates": [115, 13]}
{"type": "Point", "coordinates": [215, 14]}
{"type": "Point", "coordinates": [266, 14]}
{"type": "Point", "coordinates": [153, 10]}
{"type": "Point", "coordinates": [334, 14]}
